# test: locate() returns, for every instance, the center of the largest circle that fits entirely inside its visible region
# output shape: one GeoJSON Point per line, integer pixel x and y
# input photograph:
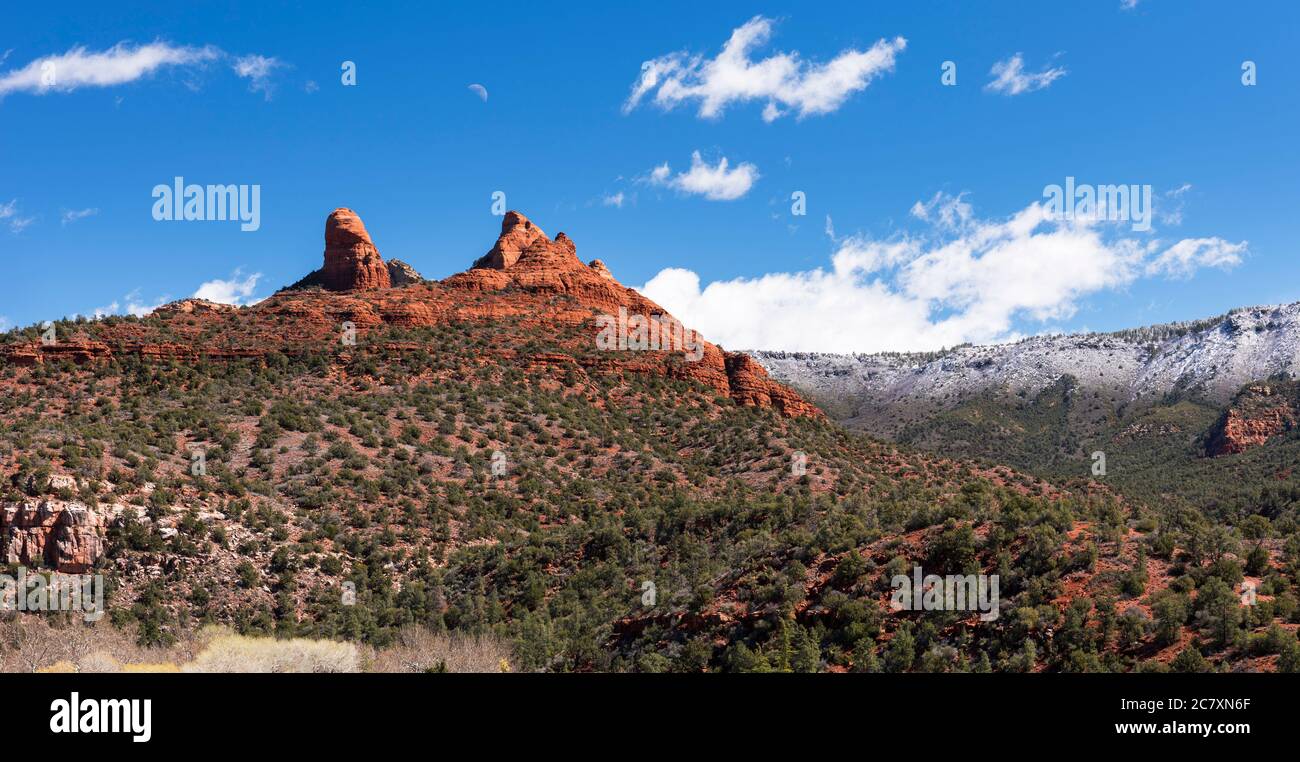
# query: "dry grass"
{"type": "Point", "coordinates": [420, 650]}
{"type": "Point", "coordinates": [31, 643]}
{"type": "Point", "coordinates": [237, 653]}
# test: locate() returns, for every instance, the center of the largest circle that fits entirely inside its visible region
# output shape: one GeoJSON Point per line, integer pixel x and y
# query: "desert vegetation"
{"type": "Point", "coordinates": [349, 501]}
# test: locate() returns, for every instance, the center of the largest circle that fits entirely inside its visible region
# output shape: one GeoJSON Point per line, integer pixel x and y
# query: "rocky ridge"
{"type": "Point", "coordinates": [1212, 358]}
{"type": "Point", "coordinates": [1259, 413]}
{"type": "Point", "coordinates": [401, 274]}
{"type": "Point", "coordinates": [526, 278]}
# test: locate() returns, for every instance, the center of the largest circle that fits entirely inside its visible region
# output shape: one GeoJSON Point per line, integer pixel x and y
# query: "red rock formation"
{"type": "Point", "coordinates": [524, 258]}
{"type": "Point", "coordinates": [526, 278]}
{"type": "Point", "coordinates": [1259, 413]}
{"type": "Point", "coordinates": [51, 533]}
{"type": "Point", "coordinates": [196, 307]}
{"type": "Point", "coordinates": [401, 274]}
{"type": "Point", "coordinates": [750, 385]}
{"type": "Point", "coordinates": [79, 351]}
{"type": "Point", "coordinates": [517, 234]}
{"type": "Point", "coordinates": [352, 263]}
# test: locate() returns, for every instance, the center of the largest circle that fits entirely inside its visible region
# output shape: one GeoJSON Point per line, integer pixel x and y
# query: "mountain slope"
{"type": "Point", "coordinates": [1165, 414]}
{"type": "Point", "coordinates": [348, 458]}
{"type": "Point", "coordinates": [1211, 359]}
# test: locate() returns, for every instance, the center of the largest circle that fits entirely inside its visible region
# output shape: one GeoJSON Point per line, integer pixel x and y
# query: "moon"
{"type": "Point", "coordinates": [480, 91]}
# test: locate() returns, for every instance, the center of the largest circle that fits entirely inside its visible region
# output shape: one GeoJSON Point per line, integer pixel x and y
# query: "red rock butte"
{"type": "Point", "coordinates": [352, 263]}
{"type": "Point", "coordinates": [526, 278]}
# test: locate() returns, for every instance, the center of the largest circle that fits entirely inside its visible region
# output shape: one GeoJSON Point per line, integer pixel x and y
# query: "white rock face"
{"type": "Point", "coordinates": [1217, 356]}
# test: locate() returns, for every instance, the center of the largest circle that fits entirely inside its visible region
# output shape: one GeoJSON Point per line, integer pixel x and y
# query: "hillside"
{"type": "Point", "coordinates": [1209, 359]}
{"type": "Point", "coordinates": [470, 458]}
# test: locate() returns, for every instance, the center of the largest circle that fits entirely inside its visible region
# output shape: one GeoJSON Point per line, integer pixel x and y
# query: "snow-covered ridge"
{"type": "Point", "coordinates": [1215, 356]}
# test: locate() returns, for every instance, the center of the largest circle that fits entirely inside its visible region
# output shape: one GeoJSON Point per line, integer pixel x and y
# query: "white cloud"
{"type": "Point", "coordinates": [480, 91]}
{"type": "Point", "coordinates": [615, 200]}
{"type": "Point", "coordinates": [786, 82]}
{"type": "Point", "coordinates": [16, 222]}
{"type": "Point", "coordinates": [944, 210]}
{"type": "Point", "coordinates": [1169, 206]}
{"type": "Point", "coordinates": [1128, 5]}
{"type": "Point", "coordinates": [124, 63]}
{"type": "Point", "coordinates": [1183, 258]}
{"type": "Point", "coordinates": [233, 291]}
{"type": "Point", "coordinates": [130, 305]}
{"type": "Point", "coordinates": [973, 280]}
{"type": "Point", "coordinates": [257, 70]}
{"type": "Point", "coordinates": [1010, 78]}
{"type": "Point", "coordinates": [716, 183]}
{"type": "Point", "coordinates": [118, 65]}
{"type": "Point", "coordinates": [72, 215]}
{"type": "Point", "coordinates": [237, 291]}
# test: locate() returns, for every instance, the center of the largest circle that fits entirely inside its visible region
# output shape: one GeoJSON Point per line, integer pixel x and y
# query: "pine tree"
{"type": "Point", "coordinates": [1190, 660]}
{"type": "Point", "coordinates": [901, 651]}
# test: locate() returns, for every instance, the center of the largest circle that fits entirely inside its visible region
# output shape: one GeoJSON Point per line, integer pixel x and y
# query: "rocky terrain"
{"type": "Point", "coordinates": [367, 451]}
{"type": "Point", "coordinates": [1200, 414]}
{"type": "Point", "coordinates": [523, 268]}
{"type": "Point", "coordinates": [1257, 414]}
{"type": "Point", "coordinates": [1211, 358]}
{"type": "Point", "coordinates": [59, 534]}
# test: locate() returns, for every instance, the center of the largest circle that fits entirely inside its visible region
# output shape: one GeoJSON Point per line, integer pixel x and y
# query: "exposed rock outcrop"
{"type": "Point", "coordinates": [66, 536]}
{"type": "Point", "coordinates": [401, 274]}
{"type": "Point", "coordinates": [77, 350]}
{"type": "Point", "coordinates": [517, 234]}
{"type": "Point", "coordinates": [524, 258]}
{"type": "Point", "coordinates": [1259, 413]}
{"type": "Point", "coordinates": [194, 306]}
{"type": "Point", "coordinates": [527, 278]}
{"type": "Point", "coordinates": [352, 263]}
{"type": "Point", "coordinates": [750, 385]}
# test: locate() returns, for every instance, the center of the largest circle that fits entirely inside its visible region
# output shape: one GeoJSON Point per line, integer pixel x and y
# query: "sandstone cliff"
{"type": "Point", "coordinates": [527, 278]}
{"type": "Point", "coordinates": [66, 536]}
{"type": "Point", "coordinates": [1259, 413]}
{"type": "Point", "coordinates": [352, 263]}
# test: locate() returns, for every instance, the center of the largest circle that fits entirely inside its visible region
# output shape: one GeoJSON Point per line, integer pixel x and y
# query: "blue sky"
{"type": "Point", "coordinates": [1147, 95]}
